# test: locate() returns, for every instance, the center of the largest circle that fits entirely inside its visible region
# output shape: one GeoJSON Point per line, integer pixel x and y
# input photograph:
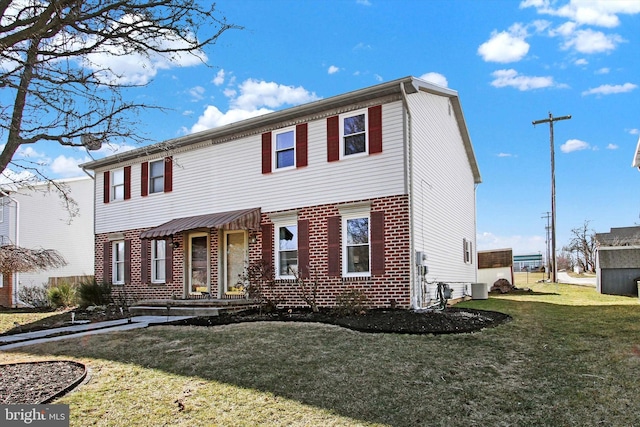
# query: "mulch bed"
{"type": "Point", "coordinates": [451, 320]}
{"type": "Point", "coordinates": [38, 382]}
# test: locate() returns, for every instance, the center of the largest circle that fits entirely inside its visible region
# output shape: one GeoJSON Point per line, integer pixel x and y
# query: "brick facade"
{"type": "Point", "coordinates": [6, 291]}
{"type": "Point", "coordinates": [391, 288]}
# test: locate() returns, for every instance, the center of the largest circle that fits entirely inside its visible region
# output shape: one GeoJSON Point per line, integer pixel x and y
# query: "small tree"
{"type": "Point", "coordinates": [260, 285]}
{"type": "Point", "coordinates": [308, 288]}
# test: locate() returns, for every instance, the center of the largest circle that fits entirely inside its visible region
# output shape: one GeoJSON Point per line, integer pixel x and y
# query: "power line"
{"type": "Point", "coordinates": [552, 260]}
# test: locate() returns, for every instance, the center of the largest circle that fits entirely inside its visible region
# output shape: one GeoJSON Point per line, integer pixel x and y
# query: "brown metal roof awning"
{"type": "Point", "coordinates": [233, 220]}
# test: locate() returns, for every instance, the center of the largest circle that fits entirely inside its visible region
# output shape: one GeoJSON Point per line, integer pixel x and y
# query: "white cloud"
{"type": "Point", "coordinates": [612, 147]}
{"type": "Point", "coordinates": [378, 77]}
{"type": "Point", "coordinates": [590, 41]}
{"type": "Point", "coordinates": [197, 93]}
{"type": "Point", "coordinates": [511, 78]}
{"type": "Point", "coordinates": [574, 145]}
{"type": "Point", "coordinates": [505, 46]}
{"type": "Point", "coordinates": [634, 131]}
{"type": "Point", "coordinates": [603, 13]}
{"type": "Point", "coordinates": [610, 89]}
{"type": "Point", "coordinates": [521, 245]}
{"type": "Point", "coordinates": [219, 78]}
{"type": "Point", "coordinates": [603, 70]}
{"type": "Point", "coordinates": [364, 2]}
{"type": "Point", "coordinates": [333, 69]}
{"type": "Point", "coordinates": [435, 78]}
{"type": "Point", "coordinates": [67, 167]}
{"type": "Point", "coordinates": [505, 155]}
{"type": "Point", "coordinates": [581, 61]}
{"type": "Point", "coordinates": [256, 97]}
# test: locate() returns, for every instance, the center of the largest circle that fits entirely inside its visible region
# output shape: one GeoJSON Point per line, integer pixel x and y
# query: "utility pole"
{"type": "Point", "coordinates": [550, 120]}
{"type": "Point", "coordinates": [547, 229]}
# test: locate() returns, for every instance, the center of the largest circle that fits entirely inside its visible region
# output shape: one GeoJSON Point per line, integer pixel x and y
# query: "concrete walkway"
{"type": "Point", "coordinates": [78, 330]}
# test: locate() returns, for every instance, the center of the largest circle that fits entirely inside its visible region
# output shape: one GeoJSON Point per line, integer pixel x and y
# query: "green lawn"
{"type": "Point", "coordinates": [569, 357]}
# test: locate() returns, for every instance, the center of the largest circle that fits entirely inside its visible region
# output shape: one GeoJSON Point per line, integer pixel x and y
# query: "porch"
{"type": "Point", "coordinates": [190, 307]}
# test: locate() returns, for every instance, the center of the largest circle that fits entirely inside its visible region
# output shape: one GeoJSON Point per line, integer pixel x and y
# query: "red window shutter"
{"type": "Point", "coordinates": [301, 145]}
{"type": "Point", "coordinates": [267, 246]}
{"type": "Point", "coordinates": [127, 182]}
{"type": "Point", "coordinates": [377, 243]}
{"type": "Point", "coordinates": [168, 174]}
{"type": "Point", "coordinates": [144, 261]}
{"type": "Point", "coordinates": [303, 248]}
{"type": "Point", "coordinates": [375, 129]}
{"type": "Point", "coordinates": [107, 187]}
{"type": "Point", "coordinates": [168, 262]}
{"type": "Point", "coordinates": [127, 261]}
{"type": "Point", "coordinates": [333, 246]}
{"type": "Point", "coordinates": [144, 179]}
{"type": "Point", "coordinates": [333, 139]}
{"type": "Point", "coordinates": [106, 262]}
{"type": "Point", "coordinates": [266, 152]}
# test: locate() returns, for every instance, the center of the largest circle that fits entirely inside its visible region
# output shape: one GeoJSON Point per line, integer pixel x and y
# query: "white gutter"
{"type": "Point", "coordinates": [415, 287]}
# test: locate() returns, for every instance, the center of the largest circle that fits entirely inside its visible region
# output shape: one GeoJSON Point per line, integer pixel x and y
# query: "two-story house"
{"type": "Point", "coordinates": [357, 191]}
{"type": "Point", "coordinates": [36, 217]}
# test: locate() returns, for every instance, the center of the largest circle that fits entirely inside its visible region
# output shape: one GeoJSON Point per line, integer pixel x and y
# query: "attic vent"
{"type": "Point", "coordinates": [449, 107]}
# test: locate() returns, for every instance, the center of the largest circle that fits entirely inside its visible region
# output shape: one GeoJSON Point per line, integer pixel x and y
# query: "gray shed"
{"type": "Point", "coordinates": [618, 261]}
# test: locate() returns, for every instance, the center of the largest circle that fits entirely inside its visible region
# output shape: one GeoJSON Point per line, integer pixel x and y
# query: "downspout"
{"type": "Point", "coordinates": [415, 283]}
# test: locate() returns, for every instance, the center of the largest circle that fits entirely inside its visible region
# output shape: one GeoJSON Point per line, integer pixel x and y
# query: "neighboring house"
{"type": "Point", "coordinates": [618, 261]}
{"type": "Point", "coordinates": [37, 218]}
{"type": "Point", "coordinates": [529, 262]}
{"type": "Point", "coordinates": [494, 265]}
{"type": "Point", "coordinates": [347, 191]}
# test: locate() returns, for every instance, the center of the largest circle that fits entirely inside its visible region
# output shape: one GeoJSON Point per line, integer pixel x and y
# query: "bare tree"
{"type": "Point", "coordinates": [583, 244]}
{"type": "Point", "coordinates": [55, 85]}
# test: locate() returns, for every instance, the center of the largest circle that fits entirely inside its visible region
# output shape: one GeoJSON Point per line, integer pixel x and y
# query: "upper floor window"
{"type": "Point", "coordinates": [156, 176]}
{"type": "Point", "coordinates": [117, 184]}
{"type": "Point", "coordinates": [285, 149]}
{"type": "Point", "coordinates": [287, 250]}
{"type": "Point", "coordinates": [158, 261]}
{"type": "Point", "coordinates": [118, 262]}
{"type": "Point", "coordinates": [354, 134]}
{"type": "Point", "coordinates": [356, 245]}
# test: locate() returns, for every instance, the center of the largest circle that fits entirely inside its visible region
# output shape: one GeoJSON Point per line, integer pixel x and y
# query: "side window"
{"type": "Point", "coordinates": [158, 261]}
{"type": "Point", "coordinates": [156, 176]}
{"type": "Point", "coordinates": [118, 262]}
{"type": "Point", "coordinates": [354, 134]}
{"type": "Point", "coordinates": [117, 184]}
{"type": "Point", "coordinates": [287, 249]}
{"type": "Point", "coordinates": [284, 149]}
{"type": "Point", "coordinates": [355, 245]}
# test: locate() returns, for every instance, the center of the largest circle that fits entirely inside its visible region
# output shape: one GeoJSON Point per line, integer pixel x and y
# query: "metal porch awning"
{"type": "Point", "coordinates": [232, 220]}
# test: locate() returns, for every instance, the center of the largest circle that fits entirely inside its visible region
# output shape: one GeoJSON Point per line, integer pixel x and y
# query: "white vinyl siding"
{"type": "Point", "coordinates": [228, 176]}
{"type": "Point", "coordinates": [443, 191]}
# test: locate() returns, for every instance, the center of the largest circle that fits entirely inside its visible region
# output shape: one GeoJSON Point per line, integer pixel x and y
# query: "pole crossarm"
{"type": "Point", "coordinates": [552, 260]}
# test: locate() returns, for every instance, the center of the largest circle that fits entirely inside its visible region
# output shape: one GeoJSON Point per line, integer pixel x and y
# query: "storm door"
{"type": "Point", "coordinates": [198, 263]}
{"type": "Point", "coordinates": [235, 260]}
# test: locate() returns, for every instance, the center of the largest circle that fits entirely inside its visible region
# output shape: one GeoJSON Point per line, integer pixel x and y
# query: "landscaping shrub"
{"type": "Point", "coordinates": [61, 295]}
{"type": "Point", "coordinates": [351, 301]}
{"type": "Point", "coordinates": [34, 295]}
{"type": "Point", "coordinates": [90, 292]}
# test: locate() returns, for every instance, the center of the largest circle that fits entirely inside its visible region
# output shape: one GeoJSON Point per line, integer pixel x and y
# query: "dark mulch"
{"type": "Point", "coordinates": [451, 320]}
{"type": "Point", "coordinates": [38, 382]}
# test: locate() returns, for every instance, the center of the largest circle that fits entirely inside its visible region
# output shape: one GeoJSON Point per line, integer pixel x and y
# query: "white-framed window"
{"type": "Point", "coordinates": [468, 251]}
{"type": "Point", "coordinates": [353, 132]}
{"type": "Point", "coordinates": [117, 261]}
{"type": "Point", "coordinates": [156, 176]}
{"type": "Point", "coordinates": [286, 239]}
{"type": "Point", "coordinates": [3, 200]}
{"type": "Point", "coordinates": [356, 248]}
{"type": "Point", "coordinates": [284, 148]}
{"type": "Point", "coordinates": [117, 184]}
{"type": "Point", "coordinates": [158, 261]}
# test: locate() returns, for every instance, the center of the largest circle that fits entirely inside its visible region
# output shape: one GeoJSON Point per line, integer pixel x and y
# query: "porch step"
{"type": "Point", "coordinates": [189, 307]}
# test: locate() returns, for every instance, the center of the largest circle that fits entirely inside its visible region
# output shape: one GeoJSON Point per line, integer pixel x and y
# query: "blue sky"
{"type": "Point", "coordinates": [512, 62]}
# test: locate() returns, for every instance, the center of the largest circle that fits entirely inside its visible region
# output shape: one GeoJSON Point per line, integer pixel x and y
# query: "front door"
{"type": "Point", "coordinates": [198, 263]}
{"type": "Point", "coordinates": [235, 259]}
